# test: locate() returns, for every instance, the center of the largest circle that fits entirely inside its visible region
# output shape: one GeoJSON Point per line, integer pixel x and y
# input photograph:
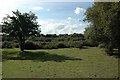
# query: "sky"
{"type": "Point", "coordinates": [54, 17]}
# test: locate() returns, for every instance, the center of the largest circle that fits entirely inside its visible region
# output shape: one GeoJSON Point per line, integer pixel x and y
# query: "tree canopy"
{"type": "Point", "coordinates": [104, 18]}
{"type": "Point", "coordinates": [21, 26]}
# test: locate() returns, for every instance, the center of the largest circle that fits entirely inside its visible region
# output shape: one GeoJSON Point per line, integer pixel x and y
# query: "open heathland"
{"type": "Point", "coordinates": [89, 62]}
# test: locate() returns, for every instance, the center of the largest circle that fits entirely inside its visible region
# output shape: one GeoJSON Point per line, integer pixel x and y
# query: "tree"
{"type": "Point", "coordinates": [104, 18]}
{"type": "Point", "coordinates": [21, 26]}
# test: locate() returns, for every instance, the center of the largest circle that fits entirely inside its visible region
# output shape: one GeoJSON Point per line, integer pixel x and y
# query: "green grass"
{"type": "Point", "coordinates": [62, 63]}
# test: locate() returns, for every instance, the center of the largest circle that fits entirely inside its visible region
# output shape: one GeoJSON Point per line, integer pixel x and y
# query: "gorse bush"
{"type": "Point", "coordinates": [88, 43]}
{"type": "Point", "coordinates": [8, 44]}
{"type": "Point", "coordinates": [38, 44]}
{"type": "Point", "coordinates": [101, 45]}
{"type": "Point", "coordinates": [31, 45]}
{"type": "Point", "coordinates": [49, 41]}
{"type": "Point", "coordinates": [50, 45]}
{"type": "Point", "coordinates": [109, 49]}
{"type": "Point", "coordinates": [61, 45]}
{"type": "Point", "coordinates": [16, 45]}
{"type": "Point", "coordinates": [0, 44]}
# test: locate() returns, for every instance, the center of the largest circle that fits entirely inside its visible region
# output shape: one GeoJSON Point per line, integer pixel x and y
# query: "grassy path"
{"type": "Point", "coordinates": [63, 63]}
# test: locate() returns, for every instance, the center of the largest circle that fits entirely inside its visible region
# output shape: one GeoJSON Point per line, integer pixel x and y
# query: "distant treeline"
{"type": "Point", "coordinates": [48, 41]}
{"type": "Point", "coordinates": [50, 37]}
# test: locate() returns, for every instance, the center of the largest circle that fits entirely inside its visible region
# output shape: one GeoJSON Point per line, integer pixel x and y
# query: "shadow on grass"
{"type": "Point", "coordinates": [42, 56]}
{"type": "Point", "coordinates": [84, 47]}
{"type": "Point", "coordinates": [116, 55]}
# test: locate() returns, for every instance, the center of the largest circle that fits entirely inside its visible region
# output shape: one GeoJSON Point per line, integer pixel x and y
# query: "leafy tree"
{"type": "Point", "coordinates": [104, 18]}
{"type": "Point", "coordinates": [94, 36]}
{"type": "Point", "coordinates": [21, 26]}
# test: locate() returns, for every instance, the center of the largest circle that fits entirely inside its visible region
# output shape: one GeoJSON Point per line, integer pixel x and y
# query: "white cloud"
{"type": "Point", "coordinates": [48, 9]}
{"type": "Point", "coordinates": [69, 18]}
{"type": "Point", "coordinates": [37, 8]}
{"type": "Point", "coordinates": [78, 10]}
{"type": "Point", "coordinates": [6, 6]}
{"type": "Point", "coordinates": [59, 27]}
{"type": "Point", "coordinates": [62, 27]}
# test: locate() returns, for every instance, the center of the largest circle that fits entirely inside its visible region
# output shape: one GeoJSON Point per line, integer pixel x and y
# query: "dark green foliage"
{"type": "Point", "coordinates": [61, 45]}
{"type": "Point", "coordinates": [61, 37]}
{"type": "Point", "coordinates": [88, 43]}
{"type": "Point", "coordinates": [31, 45]}
{"type": "Point", "coordinates": [51, 41]}
{"type": "Point", "coordinates": [105, 25]}
{"type": "Point", "coordinates": [101, 45]}
{"type": "Point", "coordinates": [7, 38]}
{"type": "Point", "coordinates": [16, 45]}
{"type": "Point", "coordinates": [80, 46]}
{"type": "Point", "coordinates": [109, 49]}
{"type": "Point", "coordinates": [92, 36]}
{"type": "Point", "coordinates": [20, 26]}
{"type": "Point", "coordinates": [50, 45]}
{"type": "Point", "coordinates": [0, 44]}
{"type": "Point", "coordinates": [40, 45]}
{"type": "Point", "coordinates": [7, 44]}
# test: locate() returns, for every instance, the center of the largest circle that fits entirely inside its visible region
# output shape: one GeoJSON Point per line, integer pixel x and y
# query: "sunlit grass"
{"type": "Point", "coordinates": [63, 63]}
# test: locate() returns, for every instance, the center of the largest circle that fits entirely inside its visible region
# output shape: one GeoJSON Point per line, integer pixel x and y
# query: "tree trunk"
{"type": "Point", "coordinates": [21, 48]}
{"type": "Point", "coordinates": [21, 44]}
{"type": "Point", "coordinates": [118, 51]}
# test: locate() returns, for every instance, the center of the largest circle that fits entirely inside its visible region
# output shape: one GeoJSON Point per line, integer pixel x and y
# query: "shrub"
{"type": "Point", "coordinates": [109, 49]}
{"type": "Point", "coordinates": [47, 45]}
{"type": "Point", "coordinates": [8, 44]}
{"type": "Point", "coordinates": [41, 45]}
{"type": "Point", "coordinates": [88, 43]}
{"type": "Point", "coordinates": [30, 45]}
{"type": "Point", "coordinates": [0, 44]}
{"type": "Point", "coordinates": [16, 45]}
{"type": "Point", "coordinates": [74, 44]}
{"type": "Point", "coordinates": [80, 46]}
{"type": "Point", "coordinates": [50, 45]}
{"type": "Point", "coordinates": [48, 40]}
{"type": "Point", "coordinates": [61, 45]}
{"type": "Point", "coordinates": [101, 45]}
{"type": "Point", "coordinates": [53, 45]}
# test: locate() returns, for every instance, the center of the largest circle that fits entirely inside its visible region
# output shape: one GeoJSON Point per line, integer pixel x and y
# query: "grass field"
{"type": "Point", "coordinates": [62, 63]}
